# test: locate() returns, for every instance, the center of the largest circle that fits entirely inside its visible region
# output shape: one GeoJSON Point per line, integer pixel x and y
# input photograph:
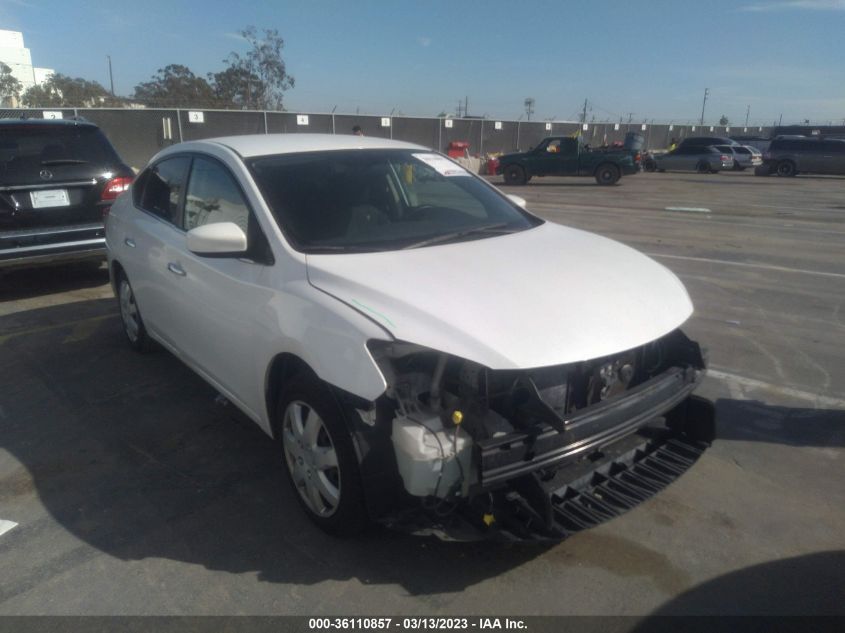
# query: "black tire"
{"type": "Point", "coordinates": [514, 175]}
{"type": "Point", "coordinates": [786, 168]}
{"type": "Point", "coordinates": [130, 316]}
{"type": "Point", "coordinates": [738, 167]}
{"type": "Point", "coordinates": [703, 167]}
{"type": "Point", "coordinates": [650, 166]}
{"type": "Point", "coordinates": [762, 170]}
{"type": "Point", "coordinates": [347, 515]}
{"type": "Point", "coordinates": [662, 171]}
{"type": "Point", "coordinates": [607, 174]}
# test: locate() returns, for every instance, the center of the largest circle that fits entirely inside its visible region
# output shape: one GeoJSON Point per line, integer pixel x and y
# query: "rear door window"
{"type": "Point", "coordinates": [161, 188]}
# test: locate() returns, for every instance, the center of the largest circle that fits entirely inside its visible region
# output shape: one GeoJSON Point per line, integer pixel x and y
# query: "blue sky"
{"type": "Point", "coordinates": [652, 59]}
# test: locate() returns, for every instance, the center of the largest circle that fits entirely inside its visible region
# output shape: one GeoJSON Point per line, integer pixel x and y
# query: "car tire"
{"type": "Point", "coordinates": [662, 171]}
{"type": "Point", "coordinates": [786, 168]}
{"type": "Point", "coordinates": [607, 174]}
{"type": "Point", "coordinates": [130, 316]}
{"type": "Point", "coordinates": [703, 167]}
{"type": "Point", "coordinates": [514, 175]}
{"type": "Point", "coordinates": [762, 170]}
{"type": "Point", "coordinates": [650, 166]}
{"type": "Point", "coordinates": [319, 457]}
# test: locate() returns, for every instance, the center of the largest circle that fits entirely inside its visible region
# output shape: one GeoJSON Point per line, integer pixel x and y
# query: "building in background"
{"type": "Point", "coordinates": [16, 56]}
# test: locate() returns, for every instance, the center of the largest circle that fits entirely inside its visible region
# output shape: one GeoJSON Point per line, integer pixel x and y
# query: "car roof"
{"type": "Point", "coordinates": [46, 122]}
{"type": "Point", "coordinates": [266, 144]}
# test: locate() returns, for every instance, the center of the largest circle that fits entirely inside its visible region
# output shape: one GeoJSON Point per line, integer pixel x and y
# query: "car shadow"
{"type": "Point", "coordinates": [751, 420]}
{"type": "Point", "coordinates": [813, 584]}
{"type": "Point", "coordinates": [130, 454]}
{"type": "Point", "coordinates": [33, 282]}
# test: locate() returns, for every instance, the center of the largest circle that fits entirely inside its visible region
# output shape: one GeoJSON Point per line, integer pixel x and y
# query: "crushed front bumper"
{"type": "Point", "coordinates": [609, 458]}
{"type": "Point", "coordinates": [503, 458]}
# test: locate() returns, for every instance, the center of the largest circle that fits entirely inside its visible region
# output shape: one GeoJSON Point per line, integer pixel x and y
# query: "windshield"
{"type": "Point", "coordinates": [379, 200]}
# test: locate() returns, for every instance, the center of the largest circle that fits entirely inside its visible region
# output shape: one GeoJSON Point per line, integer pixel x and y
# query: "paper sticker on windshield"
{"type": "Point", "coordinates": [441, 165]}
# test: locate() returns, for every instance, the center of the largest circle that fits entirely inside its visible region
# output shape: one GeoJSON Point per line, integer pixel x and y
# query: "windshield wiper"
{"type": "Point", "coordinates": [500, 228]}
{"type": "Point", "coordinates": [64, 161]}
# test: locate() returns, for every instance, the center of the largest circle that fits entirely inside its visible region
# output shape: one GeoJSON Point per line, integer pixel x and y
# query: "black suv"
{"type": "Point", "coordinates": [790, 156]}
{"type": "Point", "coordinates": [58, 178]}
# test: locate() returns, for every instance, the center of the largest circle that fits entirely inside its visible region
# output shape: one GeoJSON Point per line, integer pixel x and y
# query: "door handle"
{"type": "Point", "coordinates": [129, 242]}
{"type": "Point", "coordinates": [176, 269]}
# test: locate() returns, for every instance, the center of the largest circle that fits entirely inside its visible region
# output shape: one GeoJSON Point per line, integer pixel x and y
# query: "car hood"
{"type": "Point", "coordinates": [546, 296]}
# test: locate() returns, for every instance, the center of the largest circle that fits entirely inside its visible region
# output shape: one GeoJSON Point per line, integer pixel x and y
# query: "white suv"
{"type": "Point", "coordinates": [427, 353]}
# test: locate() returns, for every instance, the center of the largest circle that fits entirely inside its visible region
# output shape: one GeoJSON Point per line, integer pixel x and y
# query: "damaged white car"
{"type": "Point", "coordinates": [427, 353]}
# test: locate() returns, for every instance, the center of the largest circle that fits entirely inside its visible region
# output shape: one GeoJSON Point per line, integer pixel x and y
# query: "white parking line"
{"type": "Point", "coordinates": [751, 383]}
{"type": "Point", "coordinates": [5, 526]}
{"type": "Point", "coordinates": [689, 209]}
{"type": "Point", "coordinates": [724, 262]}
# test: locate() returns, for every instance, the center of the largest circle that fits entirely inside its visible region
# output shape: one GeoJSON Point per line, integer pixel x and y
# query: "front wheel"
{"type": "Point", "coordinates": [515, 175]}
{"type": "Point", "coordinates": [607, 175]}
{"type": "Point", "coordinates": [320, 458]}
{"type": "Point", "coordinates": [703, 167]}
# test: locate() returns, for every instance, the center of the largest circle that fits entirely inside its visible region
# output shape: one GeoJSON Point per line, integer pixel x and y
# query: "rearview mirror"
{"type": "Point", "coordinates": [220, 238]}
{"type": "Point", "coordinates": [520, 202]}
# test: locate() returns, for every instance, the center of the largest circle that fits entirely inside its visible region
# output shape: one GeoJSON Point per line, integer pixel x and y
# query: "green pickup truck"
{"type": "Point", "coordinates": [565, 156]}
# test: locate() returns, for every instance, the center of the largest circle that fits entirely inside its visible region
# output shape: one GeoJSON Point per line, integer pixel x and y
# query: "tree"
{"type": "Point", "coordinates": [264, 61]}
{"type": "Point", "coordinates": [236, 87]}
{"type": "Point", "coordinates": [10, 87]}
{"type": "Point", "coordinates": [175, 86]}
{"type": "Point", "coordinates": [63, 91]}
{"type": "Point", "coordinates": [723, 120]}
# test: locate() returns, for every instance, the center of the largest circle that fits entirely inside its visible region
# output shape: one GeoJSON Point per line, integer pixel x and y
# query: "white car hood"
{"type": "Point", "coordinates": [546, 296]}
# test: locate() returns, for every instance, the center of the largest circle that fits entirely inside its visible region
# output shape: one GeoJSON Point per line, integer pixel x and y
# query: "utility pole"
{"type": "Point", "coordinates": [466, 106]}
{"type": "Point", "coordinates": [584, 113]}
{"type": "Point", "coordinates": [111, 78]}
{"type": "Point", "coordinates": [747, 112]}
{"type": "Point", "coordinates": [703, 103]}
{"type": "Point", "coordinates": [460, 105]}
{"type": "Point", "coordinates": [529, 107]}
{"type": "Point", "coordinates": [780, 121]}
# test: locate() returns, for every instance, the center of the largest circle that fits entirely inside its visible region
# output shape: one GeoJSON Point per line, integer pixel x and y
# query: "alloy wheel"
{"type": "Point", "coordinates": [311, 458]}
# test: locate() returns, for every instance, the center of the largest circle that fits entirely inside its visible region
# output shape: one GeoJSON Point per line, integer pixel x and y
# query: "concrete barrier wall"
{"type": "Point", "coordinates": [139, 134]}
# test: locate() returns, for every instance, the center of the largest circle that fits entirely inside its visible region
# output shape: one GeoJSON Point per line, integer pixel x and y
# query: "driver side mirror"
{"type": "Point", "coordinates": [219, 239]}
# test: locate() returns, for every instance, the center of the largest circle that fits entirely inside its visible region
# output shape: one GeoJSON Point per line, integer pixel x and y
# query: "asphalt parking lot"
{"type": "Point", "coordinates": [134, 493]}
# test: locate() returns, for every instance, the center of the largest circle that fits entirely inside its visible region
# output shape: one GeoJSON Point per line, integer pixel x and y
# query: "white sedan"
{"type": "Point", "coordinates": [427, 353]}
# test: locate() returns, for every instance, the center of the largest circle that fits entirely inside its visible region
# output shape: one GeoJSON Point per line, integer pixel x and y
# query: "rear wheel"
{"type": "Point", "coordinates": [515, 175]}
{"type": "Point", "coordinates": [703, 167]}
{"type": "Point", "coordinates": [130, 316]}
{"type": "Point", "coordinates": [650, 166]}
{"type": "Point", "coordinates": [607, 174]}
{"type": "Point", "coordinates": [320, 457]}
{"type": "Point", "coordinates": [786, 168]}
